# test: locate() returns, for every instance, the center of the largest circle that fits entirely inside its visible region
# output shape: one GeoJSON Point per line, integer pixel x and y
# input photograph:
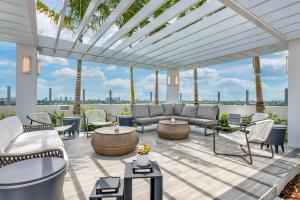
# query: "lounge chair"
{"type": "Point", "coordinates": [259, 131]}
{"type": "Point", "coordinates": [95, 118]}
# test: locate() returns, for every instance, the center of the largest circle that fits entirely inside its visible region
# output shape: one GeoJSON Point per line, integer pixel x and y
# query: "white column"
{"type": "Point", "coordinates": [294, 93]}
{"type": "Point", "coordinates": [172, 86]}
{"type": "Point", "coordinates": [26, 83]}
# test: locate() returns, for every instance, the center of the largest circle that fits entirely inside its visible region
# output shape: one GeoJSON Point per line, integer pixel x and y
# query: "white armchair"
{"type": "Point", "coordinates": [95, 118]}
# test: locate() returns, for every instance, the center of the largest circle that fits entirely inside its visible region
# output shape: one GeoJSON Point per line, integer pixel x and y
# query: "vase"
{"type": "Point", "coordinates": [117, 128]}
{"type": "Point", "coordinates": [142, 160]}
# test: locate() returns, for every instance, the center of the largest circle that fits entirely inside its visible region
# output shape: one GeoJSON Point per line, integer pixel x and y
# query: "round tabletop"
{"type": "Point", "coordinates": [111, 130]}
{"type": "Point", "coordinates": [279, 126]}
{"type": "Point", "coordinates": [30, 170]}
{"type": "Point", "coordinates": [100, 123]}
{"type": "Point", "coordinates": [176, 122]}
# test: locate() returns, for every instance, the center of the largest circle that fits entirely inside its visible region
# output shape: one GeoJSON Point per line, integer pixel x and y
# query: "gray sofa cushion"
{"type": "Point", "coordinates": [146, 120]}
{"type": "Point", "coordinates": [180, 118]}
{"type": "Point", "coordinates": [156, 110]}
{"type": "Point", "coordinates": [178, 108]}
{"type": "Point", "coordinates": [168, 109]}
{"type": "Point", "coordinates": [205, 122]}
{"type": "Point", "coordinates": [189, 111]}
{"type": "Point", "coordinates": [140, 111]}
{"type": "Point", "coordinates": [207, 112]}
{"type": "Point", "coordinates": [163, 117]}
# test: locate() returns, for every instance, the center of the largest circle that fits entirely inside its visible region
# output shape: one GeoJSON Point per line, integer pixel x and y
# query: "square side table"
{"type": "Point", "coordinates": [119, 195]}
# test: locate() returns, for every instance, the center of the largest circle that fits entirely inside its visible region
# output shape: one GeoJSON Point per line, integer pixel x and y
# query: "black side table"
{"type": "Point", "coordinates": [156, 181]}
{"type": "Point", "coordinates": [33, 179]}
{"type": "Point", "coordinates": [277, 136]}
{"type": "Point", "coordinates": [119, 195]}
{"type": "Point", "coordinates": [125, 120]}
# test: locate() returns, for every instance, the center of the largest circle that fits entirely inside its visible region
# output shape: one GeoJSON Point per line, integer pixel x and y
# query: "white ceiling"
{"type": "Point", "coordinates": [217, 32]}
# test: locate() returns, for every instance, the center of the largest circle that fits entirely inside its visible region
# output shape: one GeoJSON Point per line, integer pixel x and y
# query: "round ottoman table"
{"type": "Point", "coordinates": [106, 141]}
{"type": "Point", "coordinates": [177, 130]}
{"type": "Point", "coordinates": [33, 179]}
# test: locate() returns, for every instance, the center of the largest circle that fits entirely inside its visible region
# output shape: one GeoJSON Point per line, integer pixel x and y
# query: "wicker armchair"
{"type": "Point", "coordinates": [31, 137]}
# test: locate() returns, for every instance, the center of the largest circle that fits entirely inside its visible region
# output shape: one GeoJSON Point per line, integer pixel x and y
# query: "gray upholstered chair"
{"type": "Point", "coordinates": [95, 118]}
{"type": "Point", "coordinates": [259, 131]}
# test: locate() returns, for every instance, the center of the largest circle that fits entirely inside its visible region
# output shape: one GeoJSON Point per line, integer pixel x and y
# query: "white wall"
{"type": "Point", "coordinates": [26, 84]}
{"type": "Point", "coordinates": [294, 93]}
{"type": "Point", "coordinates": [172, 89]}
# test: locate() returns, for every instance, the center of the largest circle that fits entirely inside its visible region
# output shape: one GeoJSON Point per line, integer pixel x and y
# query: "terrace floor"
{"type": "Point", "coordinates": [190, 169]}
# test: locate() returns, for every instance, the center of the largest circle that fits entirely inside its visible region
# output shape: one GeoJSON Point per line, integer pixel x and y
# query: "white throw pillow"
{"type": "Point", "coordinates": [5, 137]}
{"type": "Point", "coordinates": [14, 126]}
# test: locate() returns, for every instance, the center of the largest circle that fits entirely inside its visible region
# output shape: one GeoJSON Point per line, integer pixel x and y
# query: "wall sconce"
{"type": "Point", "coordinates": [176, 80]}
{"type": "Point", "coordinates": [287, 64]}
{"type": "Point", "coordinates": [38, 67]}
{"type": "Point", "coordinates": [169, 80]}
{"type": "Point", "coordinates": [26, 64]}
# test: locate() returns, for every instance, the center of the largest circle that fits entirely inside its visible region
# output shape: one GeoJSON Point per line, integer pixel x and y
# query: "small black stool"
{"type": "Point", "coordinates": [119, 195]}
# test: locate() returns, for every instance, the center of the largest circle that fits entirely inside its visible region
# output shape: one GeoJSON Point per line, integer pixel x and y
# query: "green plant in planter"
{"type": "Point", "coordinates": [223, 119]}
{"type": "Point", "coordinates": [57, 118]}
{"type": "Point", "coordinates": [277, 119]}
{"type": "Point", "coordinates": [125, 111]}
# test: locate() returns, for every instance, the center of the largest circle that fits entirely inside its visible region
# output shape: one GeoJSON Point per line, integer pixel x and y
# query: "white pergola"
{"type": "Point", "coordinates": [219, 31]}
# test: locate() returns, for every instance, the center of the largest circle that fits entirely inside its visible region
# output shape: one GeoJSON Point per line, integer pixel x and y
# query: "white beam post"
{"type": "Point", "coordinates": [172, 86]}
{"type": "Point", "coordinates": [26, 83]}
{"type": "Point", "coordinates": [294, 95]}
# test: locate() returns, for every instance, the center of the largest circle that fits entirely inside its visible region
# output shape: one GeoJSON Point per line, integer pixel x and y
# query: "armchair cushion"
{"type": "Point", "coordinates": [168, 109]}
{"type": "Point", "coordinates": [156, 110]}
{"type": "Point", "coordinates": [4, 137]}
{"type": "Point", "coordinates": [146, 120]}
{"type": "Point", "coordinates": [14, 126]}
{"type": "Point", "coordinates": [178, 108]}
{"type": "Point", "coordinates": [207, 112]}
{"type": "Point", "coordinates": [140, 111]}
{"type": "Point", "coordinates": [204, 122]}
{"type": "Point", "coordinates": [189, 111]}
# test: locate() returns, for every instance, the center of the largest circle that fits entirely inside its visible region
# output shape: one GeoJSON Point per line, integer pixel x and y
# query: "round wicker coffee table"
{"type": "Point", "coordinates": [106, 141]}
{"type": "Point", "coordinates": [169, 130]}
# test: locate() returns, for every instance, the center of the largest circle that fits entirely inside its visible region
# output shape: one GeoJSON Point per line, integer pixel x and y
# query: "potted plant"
{"type": "Point", "coordinates": [142, 154]}
{"type": "Point", "coordinates": [125, 118]}
{"type": "Point", "coordinates": [116, 124]}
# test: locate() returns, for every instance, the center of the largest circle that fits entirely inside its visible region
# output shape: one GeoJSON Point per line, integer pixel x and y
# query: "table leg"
{"type": "Point", "coordinates": [156, 188]}
{"type": "Point", "coordinates": [128, 188]}
{"type": "Point", "coordinates": [282, 147]}
{"type": "Point", "coordinates": [276, 148]}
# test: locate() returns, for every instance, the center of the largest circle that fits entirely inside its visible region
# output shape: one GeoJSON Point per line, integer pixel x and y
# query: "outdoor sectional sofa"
{"type": "Point", "coordinates": [202, 115]}
{"type": "Point", "coordinates": [21, 142]}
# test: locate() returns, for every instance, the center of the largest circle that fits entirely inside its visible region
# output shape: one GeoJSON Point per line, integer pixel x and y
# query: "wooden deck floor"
{"type": "Point", "coordinates": [190, 169]}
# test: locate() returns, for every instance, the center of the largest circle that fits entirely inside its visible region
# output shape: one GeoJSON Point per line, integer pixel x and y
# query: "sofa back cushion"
{"type": "Point", "coordinates": [156, 110]}
{"type": "Point", "coordinates": [4, 137]}
{"type": "Point", "coordinates": [14, 126]}
{"type": "Point", "coordinates": [207, 112]}
{"type": "Point", "coordinates": [140, 111]}
{"type": "Point", "coordinates": [168, 109]}
{"type": "Point", "coordinates": [189, 111]}
{"type": "Point", "coordinates": [178, 108]}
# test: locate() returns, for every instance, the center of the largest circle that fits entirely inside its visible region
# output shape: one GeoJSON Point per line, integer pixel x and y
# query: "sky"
{"type": "Point", "coordinates": [231, 79]}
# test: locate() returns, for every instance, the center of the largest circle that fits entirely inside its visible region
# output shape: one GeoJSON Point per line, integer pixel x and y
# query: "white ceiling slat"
{"type": "Point", "coordinates": [192, 17]}
{"type": "Point", "coordinates": [32, 21]}
{"type": "Point", "coordinates": [13, 26]}
{"type": "Point", "coordinates": [15, 39]}
{"type": "Point", "coordinates": [14, 18]}
{"type": "Point", "coordinates": [88, 13]}
{"type": "Point", "coordinates": [145, 12]}
{"type": "Point", "coordinates": [162, 19]}
{"type": "Point", "coordinates": [61, 20]}
{"type": "Point", "coordinates": [12, 8]}
{"type": "Point", "coordinates": [240, 9]}
{"type": "Point", "coordinates": [177, 45]}
{"type": "Point", "coordinates": [116, 14]}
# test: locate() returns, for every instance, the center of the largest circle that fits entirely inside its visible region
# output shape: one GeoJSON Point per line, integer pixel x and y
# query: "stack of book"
{"type": "Point", "coordinates": [108, 185]}
{"type": "Point", "coordinates": [141, 169]}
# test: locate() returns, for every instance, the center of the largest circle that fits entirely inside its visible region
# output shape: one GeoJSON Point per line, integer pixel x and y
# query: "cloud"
{"type": "Point", "coordinates": [110, 68]}
{"type": "Point", "coordinates": [87, 73]}
{"type": "Point", "coordinates": [49, 60]}
{"type": "Point", "coordinates": [117, 83]}
{"type": "Point", "coordinates": [4, 62]}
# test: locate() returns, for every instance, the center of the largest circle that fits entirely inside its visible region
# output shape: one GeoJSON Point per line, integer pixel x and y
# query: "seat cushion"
{"type": "Point", "coordinates": [14, 126]}
{"type": "Point", "coordinates": [146, 120]}
{"type": "Point", "coordinates": [207, 112]}
{"type": "Point", "coordinates": [5, 138]}
{"type": "Point", "coordinates": [205, 122]}
{"type": "Point", "coordinates": [168, 109]}
{"type": "Point", "coordinates": [140, 111]}
{"type": "Point", "coordinates": [236, 137]}
{"type": "Point", "coordinates": [156, 110]}
{"type": "Point", "coordinates": [35, 141]}
{"type": "Point", "coordinates": [180, 118]}
{"type": "Point", "coordinates": [189, 111]}
{"type": "Point", "coordinates": [178, 108]}
{"type": "Point", "coordinates": [163, 117]}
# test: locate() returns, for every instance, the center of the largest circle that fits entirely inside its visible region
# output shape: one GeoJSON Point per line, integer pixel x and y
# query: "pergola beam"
{"type": "Point", "coordinates": [241, 10]}
{"type": "Point", "coordinates": [61, 20]}
{"type": "Point", "coordinates": [32, 20]}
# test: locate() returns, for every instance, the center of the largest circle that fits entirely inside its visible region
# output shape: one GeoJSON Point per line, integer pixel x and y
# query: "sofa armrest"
{"type": "Point", "coordinates": [30, 128]}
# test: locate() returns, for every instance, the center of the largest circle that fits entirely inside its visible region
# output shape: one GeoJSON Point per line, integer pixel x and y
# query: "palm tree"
{"type": "Point", "coordinates": [196, 98]}
{"type": "Point", "coordinates": [260, 107]}
{"type": "Point", "coordinates": [132, 86]}
{"type": "Point", "coordinates": [156, 88]}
